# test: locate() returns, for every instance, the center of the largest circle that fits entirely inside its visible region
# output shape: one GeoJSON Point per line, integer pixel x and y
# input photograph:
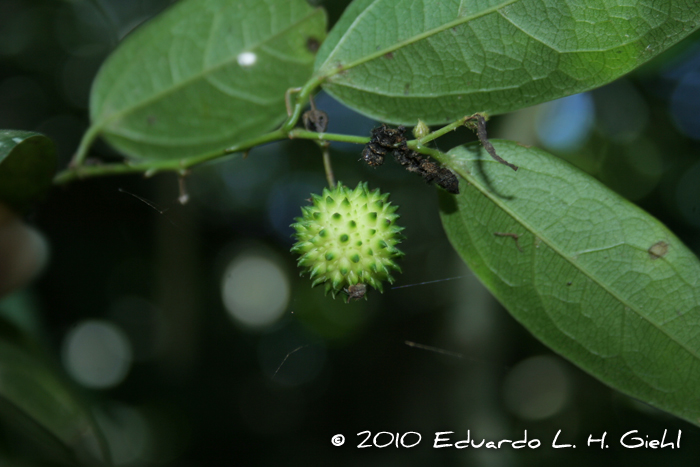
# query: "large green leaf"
{"type": "Point", "coordinates": [591, 275]}
{"type": "Point", "coordinates": [438, 60]}
{"type": "Point", "coordinates": [204, 75]}
{"type": "Point", "coordinates": [27, 164]}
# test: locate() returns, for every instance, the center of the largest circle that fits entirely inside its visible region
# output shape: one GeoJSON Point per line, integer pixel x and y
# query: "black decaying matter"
{"type": "Point", "coordinates": [385, 139]}
{"type": "Point", "coordinates": [480, 127]}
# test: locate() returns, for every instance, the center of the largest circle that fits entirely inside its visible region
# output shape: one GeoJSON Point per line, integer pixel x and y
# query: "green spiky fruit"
{"type": "Point", "coordinates": [348, 237]}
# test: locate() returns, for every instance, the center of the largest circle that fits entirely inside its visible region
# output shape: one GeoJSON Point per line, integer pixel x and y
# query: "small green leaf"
{"type": "Point", "coordinates": [588, 273]}
{"type": "Point", "coordinates": [27, 165]}
{"type": "Point", "coordinates": [438, 60]}
{"type": "Point", "coordinates": [204, 75]}
{"type": "Point", "coordinates": [37, 403]}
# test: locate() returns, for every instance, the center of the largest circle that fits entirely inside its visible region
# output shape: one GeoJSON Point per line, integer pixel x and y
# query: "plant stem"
{"type": "Point", "coordinates": [153, 167]}
{"type": "Point", "coordinates": [78, 170]}
{"type": "Point", "coordinates": [442, 131]}
{"type": "Point", "coordinates": [418, 147]}
{"type": "Point", "coordinates": [327, 164]}
{"type": "Point", "coordinates": [302, 97]}
{"type": "Point", "coordinates": [85, 143]}
{"type": "Point", "coordinates": [245, 145]}
{"type": "Point", "coordinates": [83, 171]}
{"type": "Point", "coordinates": [304, 134]}
{"type": "Point", "coordinates": [181, 165]}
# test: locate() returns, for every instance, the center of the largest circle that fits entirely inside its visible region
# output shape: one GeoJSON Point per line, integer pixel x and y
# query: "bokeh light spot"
{"type": "Point", "coordinates": [126, 432]}
{"type": "Point", "coordinates": [621, 111]}
{"type": "Point", "coordinates": [255, 290]}
{"type": "Point", "coordinates": [97, 354]}
{"type": "Point", "coordinates": [537, 388]}
{"type": "Point", "coordinates": [684, 104]}
{"type": "Point", "coordinates": [565, 124]}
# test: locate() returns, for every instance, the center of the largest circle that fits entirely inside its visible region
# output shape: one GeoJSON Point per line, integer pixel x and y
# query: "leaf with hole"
{"type": "Point", "coordinates": [591, 275]}
{"type": "Point", "coordinates": [439, 60]}
{"type": "Point", "coordinates": [27, 165]}
{"type": "Point", "coordinates": [204, 75]}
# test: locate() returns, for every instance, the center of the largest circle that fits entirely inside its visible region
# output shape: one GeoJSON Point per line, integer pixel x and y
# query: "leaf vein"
{"type": "Point", "coordinates": [465, 173]}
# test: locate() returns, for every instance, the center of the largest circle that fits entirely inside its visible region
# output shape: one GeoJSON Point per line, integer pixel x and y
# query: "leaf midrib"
{"type": "Point", "coordinates": [550, 244]}
{"type": "Point", "coordinates": [102, 123]}
{"type": "Point", "coordinates": [464, 19]}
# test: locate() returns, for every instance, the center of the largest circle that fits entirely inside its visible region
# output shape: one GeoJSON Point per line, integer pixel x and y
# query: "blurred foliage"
{"type": "Point", "coordinates": [204, 389]}
{"type": "Point", "coordinates": [27, 166]}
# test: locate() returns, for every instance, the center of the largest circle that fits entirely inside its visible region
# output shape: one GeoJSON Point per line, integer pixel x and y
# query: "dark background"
{"type": "Point", "coordinates": [133, 270]}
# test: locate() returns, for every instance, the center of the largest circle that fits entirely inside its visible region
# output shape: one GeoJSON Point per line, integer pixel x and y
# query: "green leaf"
{"type": "Point", "coordinates": [27, 165]}
{"type": "Point", "coordinates": [438, 60]}
{"type": "Point", "coordinates": [591, 275]}
{"type": "Point", "coordinates": [38, 404]}
{"type": "Point", "coordinates": [204, 75]}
